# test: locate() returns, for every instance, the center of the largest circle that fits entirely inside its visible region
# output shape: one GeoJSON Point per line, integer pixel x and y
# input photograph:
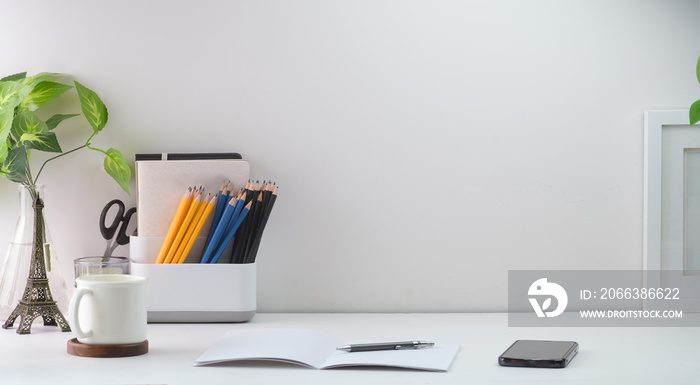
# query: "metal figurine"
{"type": "Point", "coordinates": [37, 300]}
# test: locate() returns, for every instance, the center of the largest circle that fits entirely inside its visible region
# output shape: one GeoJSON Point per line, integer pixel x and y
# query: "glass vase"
{"type": "Point", "coordinates": [16, 265]}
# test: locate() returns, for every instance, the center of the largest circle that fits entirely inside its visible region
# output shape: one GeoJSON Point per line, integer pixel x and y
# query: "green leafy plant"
{"type": "Point", "coordinates": [22, 131]}
{"type": "Point", "coordinates": [694, 113]}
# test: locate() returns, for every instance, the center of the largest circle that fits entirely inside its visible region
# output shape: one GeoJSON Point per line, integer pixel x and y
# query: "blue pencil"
{"type": "Point", "coordinates": [230, 233]}
{"type": "Point", "coordinates": [221, 242]}
{"type": "Point", "coordinates": [218, 233]}
{"type": "Point", "coordinates": [240, 202]}
{"type": "Point", "coordinates": [220, 202]}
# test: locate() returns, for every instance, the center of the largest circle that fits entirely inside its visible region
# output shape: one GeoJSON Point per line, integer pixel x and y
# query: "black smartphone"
{"type": "Point", "coordinates": [539, 354]}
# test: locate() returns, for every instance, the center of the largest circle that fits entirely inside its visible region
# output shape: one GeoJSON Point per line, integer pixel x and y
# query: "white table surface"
{"type": "Point", "coordinates": [607, 355]}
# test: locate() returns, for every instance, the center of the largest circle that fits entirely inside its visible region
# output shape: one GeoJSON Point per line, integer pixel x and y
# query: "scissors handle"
{"type": "Point", "coordinates": [109, 231]}
{"type": "Point", "coordinates": [122, 236]}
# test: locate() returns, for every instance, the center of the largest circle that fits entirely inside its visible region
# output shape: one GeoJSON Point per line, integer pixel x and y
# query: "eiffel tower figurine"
{"type": "Point", "coordinates": [37, 300]}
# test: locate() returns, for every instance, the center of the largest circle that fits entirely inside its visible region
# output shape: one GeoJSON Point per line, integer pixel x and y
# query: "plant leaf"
{"type": "Point", "coordinates": [36, 79]}
{"type": "Point", "coordinates": [94, 110]}
{"type": "Point", "coordinates": [45, 141]}
{"type": "Point", "coordinates": [5, 128]}
{"type": "Point", "coordinates": [694, 113]}
{"type": "Point", "coordinates": [697, 70]}
{"type": "Point", "coordinates": [11, 95]}
{"type": "Point", "coordinates": [15, 165]}
{"type": "Point", "coordinates": [53, 121]}
{"type": "Point", "coordinates": [116, 166]}
{"type": "Point", "coordinates": [18, 76]}
{"type": "Point", "coordinates": [42, 93]}
{"type": "Point", "coordinates": [27, 123]}
{"type": "Point", "coordinates": [3, 151]}
{"type": "Point", "coordinates": [32, 132]}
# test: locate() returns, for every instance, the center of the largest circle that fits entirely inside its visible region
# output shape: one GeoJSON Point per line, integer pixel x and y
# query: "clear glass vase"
{"type": "Point", "coordinates": [16, 265]}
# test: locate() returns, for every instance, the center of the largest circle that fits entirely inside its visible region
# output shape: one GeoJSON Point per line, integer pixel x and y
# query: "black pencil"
{"type": "Point", "coordinates": [267, 209]}
{"type": "Point", "coordinates": [239, 243]}
{"type": "Point", "coordinates": [247, 239]}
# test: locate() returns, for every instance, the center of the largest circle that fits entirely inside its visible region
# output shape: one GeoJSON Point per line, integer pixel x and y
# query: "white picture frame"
{"type": "Point", "coordinates": [668, 139]}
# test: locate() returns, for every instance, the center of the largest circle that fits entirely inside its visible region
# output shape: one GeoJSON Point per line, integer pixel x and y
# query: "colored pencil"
{"type": "Point", "coordinates": [247, 240]}
{"type": "Point", "coordinates": [239, 220]}
{"type": "Point", "coordinates": [230, 233]}
{"type": "Point", "coordinates": [267, 209]}
{"type": "Point", "coordinates": [198, 228]}
{"type": "Point", "coordinates": [190, 230]}
{"type": "Point", "coordinates": [220, 203]}
{"type": "Point", "coordinates": [219, 231]}
{"type": "Point", "coordinates": [175, 224]}
{"type": "Point", "coordinates": [183, 227]}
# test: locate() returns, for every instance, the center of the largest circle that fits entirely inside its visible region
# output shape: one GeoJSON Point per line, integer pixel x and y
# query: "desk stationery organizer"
{"type": "Point", "coordinates": [194, 292]}
{"type": "Point", "coordinates": [188, 292]}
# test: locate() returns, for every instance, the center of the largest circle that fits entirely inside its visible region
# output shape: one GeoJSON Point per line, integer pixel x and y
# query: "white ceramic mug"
{"type": "Point", "coordinates": [109, 309]}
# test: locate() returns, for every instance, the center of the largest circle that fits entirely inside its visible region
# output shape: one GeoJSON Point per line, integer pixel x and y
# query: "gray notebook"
{"type": "Point", "coordinates": [160, 185]}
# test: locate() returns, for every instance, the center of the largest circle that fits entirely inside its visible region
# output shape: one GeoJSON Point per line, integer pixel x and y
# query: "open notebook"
{"type": "Point", "coordinates": [317, 350]}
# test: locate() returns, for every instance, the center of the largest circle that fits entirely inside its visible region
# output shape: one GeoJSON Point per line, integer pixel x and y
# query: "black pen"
{"type": "Point", "coordinates": [386, 346]}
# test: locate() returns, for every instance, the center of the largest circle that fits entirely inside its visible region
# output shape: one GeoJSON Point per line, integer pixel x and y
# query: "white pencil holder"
{"type": "Point", "coordinates": [194, 292]}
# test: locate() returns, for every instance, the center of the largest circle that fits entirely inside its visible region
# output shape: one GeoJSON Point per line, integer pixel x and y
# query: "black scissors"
{"type": "Point", "coordinates": [108, 232]}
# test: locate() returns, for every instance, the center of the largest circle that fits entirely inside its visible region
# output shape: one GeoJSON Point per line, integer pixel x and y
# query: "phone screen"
{"type": "Point", "coordinates": [543, 354]}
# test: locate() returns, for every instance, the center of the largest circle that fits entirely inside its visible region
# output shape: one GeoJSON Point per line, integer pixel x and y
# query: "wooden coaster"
{"type": "Point", "coordinates": [78, 348]}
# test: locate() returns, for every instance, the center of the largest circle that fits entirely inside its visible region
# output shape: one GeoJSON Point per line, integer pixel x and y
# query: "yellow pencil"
{"type": "Point", "coordinates": [202, 220]}
{"type": "Point", "coordinates": [182, 208]}
{"type": "Point", "coordinates": [190, 229]}
{"type": "Point", "coordinates": [183, 228]}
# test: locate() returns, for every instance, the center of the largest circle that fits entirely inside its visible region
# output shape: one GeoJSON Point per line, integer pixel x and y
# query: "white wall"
{"type": "Point", "coordinates": [423, 148]}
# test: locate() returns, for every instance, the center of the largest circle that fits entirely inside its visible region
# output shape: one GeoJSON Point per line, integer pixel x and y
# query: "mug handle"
{"type": "Point", "coordinates": [73, 312]}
